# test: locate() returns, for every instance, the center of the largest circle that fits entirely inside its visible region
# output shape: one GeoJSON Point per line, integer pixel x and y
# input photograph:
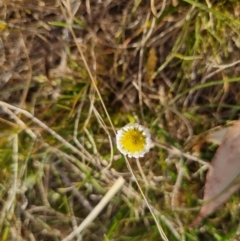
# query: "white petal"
{"type": "Point", "coordinates": [145, 132]}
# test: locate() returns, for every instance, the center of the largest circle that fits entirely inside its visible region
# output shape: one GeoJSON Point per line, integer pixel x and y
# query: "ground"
{"type": "Point", "coordinates": [72, 74]}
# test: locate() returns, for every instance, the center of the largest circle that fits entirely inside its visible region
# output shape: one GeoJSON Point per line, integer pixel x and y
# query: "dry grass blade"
{"type": "Point", "coordinates": [95, 212]}
{"type": "Point", "coordinates": [161, 232]}
{"type": "Point", "coordinates": [44, 126]}
{"type": "Point", "coordinates": [9, 205]}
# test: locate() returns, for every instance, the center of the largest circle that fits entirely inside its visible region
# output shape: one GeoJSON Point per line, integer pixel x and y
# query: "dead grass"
{"type": "Point", "coordinates": [71, 74]}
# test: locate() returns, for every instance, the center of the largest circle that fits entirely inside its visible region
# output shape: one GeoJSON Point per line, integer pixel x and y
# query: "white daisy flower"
{"type": "Point", "coordinates": [133, 140]}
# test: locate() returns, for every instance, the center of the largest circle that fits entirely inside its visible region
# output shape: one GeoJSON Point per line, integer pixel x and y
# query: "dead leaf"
{"type": "Point", "coordinates": [223, 175]}
{"type": "Point", "coordinates": [217, 136]}
{"type": "Point", "coordinates": [151, 65]}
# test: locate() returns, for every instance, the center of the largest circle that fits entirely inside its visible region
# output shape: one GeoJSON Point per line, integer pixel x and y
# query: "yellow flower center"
{"type": "Point", "coordinates": [133, 141]}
